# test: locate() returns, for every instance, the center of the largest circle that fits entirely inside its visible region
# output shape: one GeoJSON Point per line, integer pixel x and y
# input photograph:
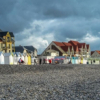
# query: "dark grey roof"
{"type": "Point", "coordinates": [4, 33]}
{"type": "Point", "coordinates": [31, 48]}
{"type": "Point", "coordinates": [21, 48]}
{"type": "Point", "coordinates": [11, 33]}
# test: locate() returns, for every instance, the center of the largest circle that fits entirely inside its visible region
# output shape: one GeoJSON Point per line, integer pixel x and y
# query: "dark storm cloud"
{"type": "Point", "coordinates": [74, 18]}
{"type": "Point", "coordinates": [15, 15]}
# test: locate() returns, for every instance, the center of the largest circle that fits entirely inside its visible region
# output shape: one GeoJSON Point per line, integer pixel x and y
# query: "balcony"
{"type": "Point", "coordinates": [3, 47]}
{"type": "Point", "coordinates": [8, 47]}
{"type": "Point", "coordinates": [8, 40]}
{"type": "Point", "coordinates": [4, 40]}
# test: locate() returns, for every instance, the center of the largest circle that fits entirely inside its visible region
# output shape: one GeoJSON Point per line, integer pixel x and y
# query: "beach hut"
{"type": "Point", "coordinates": [8, 58]}
{"type": "Point", "coordinates": [84, 61]}
{"type": "Point", "coordinates": [81, 60]}
{"type": "Point", "coordinates": [29, 59]}
{"type": "Point", "coordinates": [25, 58]}
{"type": "Point", "coordinates": [32, 60]}
{"type": "Point", "coordinates": [73, 60]}
{"type": "Point", "coordinates": [16, 57]}
{"type": "Point", "coordinates": [1, 58]}
{"type": "Point", "coordinates": [22, 56]}
{"type": "Point", "coordinates": [76, 60]}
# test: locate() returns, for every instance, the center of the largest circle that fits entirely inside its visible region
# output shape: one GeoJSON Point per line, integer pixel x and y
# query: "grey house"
{"type": "Point", "coordinates": [26, 49]}
{"type": "Point", "coordinates": [95, 54]}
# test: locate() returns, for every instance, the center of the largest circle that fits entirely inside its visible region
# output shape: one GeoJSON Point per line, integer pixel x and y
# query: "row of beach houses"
{"type": "Point", "coordinates": [56, 52]}
{"type": "Point", "coordinates": [12, 59]}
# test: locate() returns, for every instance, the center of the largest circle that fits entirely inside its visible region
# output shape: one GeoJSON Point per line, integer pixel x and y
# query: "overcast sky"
{"type": "Point", "coordinates": [39, 22]}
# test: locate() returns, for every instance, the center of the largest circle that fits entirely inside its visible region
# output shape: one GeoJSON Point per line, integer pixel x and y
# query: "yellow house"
{"type": "Point", "coordinates": [7, 42]}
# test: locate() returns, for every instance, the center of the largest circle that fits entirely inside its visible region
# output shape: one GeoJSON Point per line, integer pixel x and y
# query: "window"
{"type": "Point", "coordinates": [8, 39]}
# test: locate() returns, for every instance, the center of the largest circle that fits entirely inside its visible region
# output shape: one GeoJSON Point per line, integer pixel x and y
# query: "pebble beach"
{"type": "Point", "coordinates": [74, 82]}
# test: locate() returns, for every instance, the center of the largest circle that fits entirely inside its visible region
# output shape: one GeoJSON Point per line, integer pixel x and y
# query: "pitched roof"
{"type": "Point", "coordinates": [67, 44]}
{"type": "Point", "coordinates": [83, 44]}
{"type": "Point", "coordinates": [31, 48]}
{"type": "Point", "coordinates": [79, 45]}
{"type": "Point", "coordinates": [1, 52]}
{"type": "Point", "coordinates": [76, 48]}
{"type": "Point", "coordinates": [21, 48]}
{"type": "Point", "coordinates": [4, 33]}
{"type": "Point", "coordinates": [11, 33]}
{"type": "Point", "coordinates": [18, 53]}
{"type": "Point", "coordinates": [59, 43]}
{"type": "Point", "coordinates": [92, 52]}
{"type": "Point", "coordinates": [87, 46]}
{"type": "Point", "coordinates": [73, 42]}
{"type": "Point", "coordinates": [65, 48]}
{"type": "Point", "coordinates": [7, 54]}
{"type": "Point", "coordinates": [98, 51]}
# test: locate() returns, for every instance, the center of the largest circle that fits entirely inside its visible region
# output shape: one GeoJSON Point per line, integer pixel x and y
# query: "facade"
{"type": "Point", "coordinates": [26, 49]}
{"type": "Point", "coordinates": [95, 54]}
{"type": "Point", "coordinates": [7, 42]}
{"type": "Point", "coordinates": [72, 48]}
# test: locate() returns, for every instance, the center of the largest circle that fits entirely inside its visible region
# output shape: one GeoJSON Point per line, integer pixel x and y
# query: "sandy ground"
{"type": "Point", "coordinates": [77, 83]}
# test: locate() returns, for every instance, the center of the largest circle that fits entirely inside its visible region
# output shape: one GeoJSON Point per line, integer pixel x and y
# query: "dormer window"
{"type": "Point", "coordinates": [8, 39]}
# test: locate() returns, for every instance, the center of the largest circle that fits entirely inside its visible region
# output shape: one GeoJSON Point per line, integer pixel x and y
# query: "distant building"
{"type": "Point", "coordinates": [72, 48]}
{"type": "Point", "coordinates": [7, 41]}
{"type": "Point", "coordinates": [95, 54]}
{"type": "Point", "coordinates": [26, 49]}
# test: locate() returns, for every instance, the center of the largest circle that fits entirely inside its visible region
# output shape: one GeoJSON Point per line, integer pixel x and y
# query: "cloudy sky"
{"type": "Point", "coordinates": [39, 22]}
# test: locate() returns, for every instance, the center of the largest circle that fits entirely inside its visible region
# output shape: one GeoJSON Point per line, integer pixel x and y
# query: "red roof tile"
{"type": "Point", "coordinates": [98, 51]}
{"type": "Point", "coordinates": [65, 48]}
{"type": "Point", "coordinates": [73, 42]}
{"type": "Point", "coordinates": [87, 46]}
{"type": "Point", "coordinates": [76, 48]}
{"type": "Point", "coordinates": [67, 44]}
{"type": "Point", "coordinates": [59, 43]}
{"type": "Point", "coordinates": [79, 45]}
{"type": "Point", "coordinates": [92, 52]}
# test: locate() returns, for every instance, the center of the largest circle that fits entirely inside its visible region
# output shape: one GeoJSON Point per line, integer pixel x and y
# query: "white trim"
{"type": "Point", "coordinates": [52, 43]}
